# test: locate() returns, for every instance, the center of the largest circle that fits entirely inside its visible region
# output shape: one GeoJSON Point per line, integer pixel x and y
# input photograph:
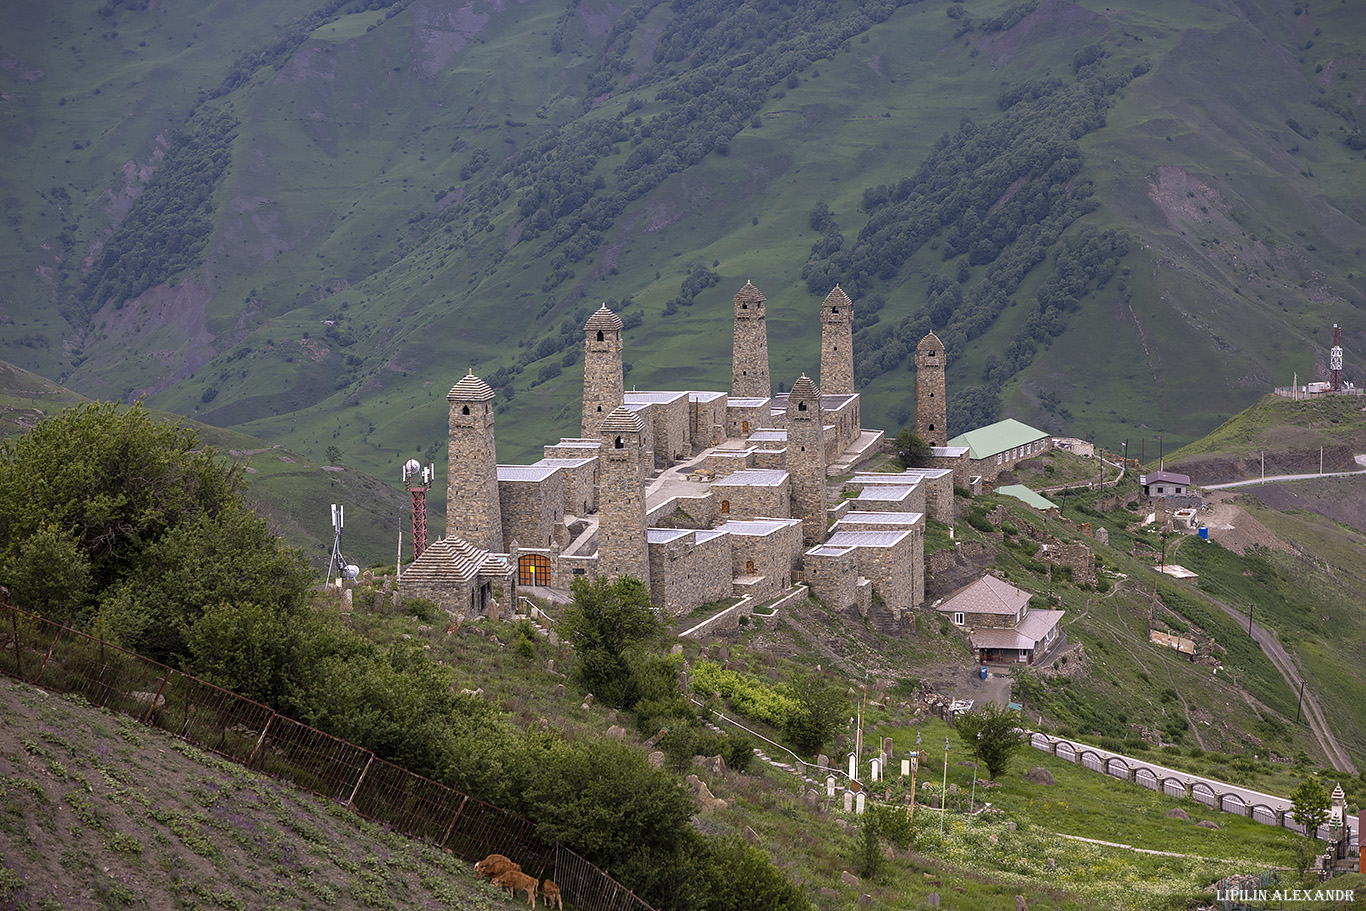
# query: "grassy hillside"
{"type": "Point", "coordinates": [305, 222]}
{"type": "Point", "coordinates": [98, 811]}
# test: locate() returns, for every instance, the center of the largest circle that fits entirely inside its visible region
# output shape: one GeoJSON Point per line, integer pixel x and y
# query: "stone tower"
{"type": "Point", "coordinates": [602, 382]}
{"type": "Point", "coordinates": [837, 343]}
{"type": "Point", "coordinates": [749, 358]}
{"type": "Point", "coordinates": [806, 458]}
{"type": "Point", "coordinates": [622, 547]}
{"type": "Point", "coordinates": [931, 397]}
{"type": "Point", "coordinates": [472, 510]}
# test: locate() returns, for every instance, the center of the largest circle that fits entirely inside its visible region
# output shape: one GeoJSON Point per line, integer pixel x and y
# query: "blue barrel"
{"type": "Point", "coordinates": [1204, 532]}
{"type": "Point", "coordinates": [982, 673]}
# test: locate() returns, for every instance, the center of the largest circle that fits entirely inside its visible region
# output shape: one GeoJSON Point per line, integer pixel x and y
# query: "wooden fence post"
{"type": "Point", "coordinates": [464, 799]}
{"type": "Point", "coordinates": [350, 800]}
{"type": "Point", "coordinates": [147, 719]}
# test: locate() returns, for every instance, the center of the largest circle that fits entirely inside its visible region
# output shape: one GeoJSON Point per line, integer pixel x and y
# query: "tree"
{"type": "Point", "coordinates": [821, 709]}
{"type": "Point", "coordinates": [1309, 804]}
{"type": "Point", "coordinates": [911, 449]}
{"type": "Point", "coordinates": [881, 823]}
{"type": "Point", "coordinates": [607, 619]}
{"type": "Point", "coordinates": [110, 519]}
{"type": "Point", "coordinates": [993, 733]}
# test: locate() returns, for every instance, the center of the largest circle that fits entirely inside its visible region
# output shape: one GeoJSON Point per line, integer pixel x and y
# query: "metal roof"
{"type": "Point", "coordinates": [1023, 493]}
{"type": "Point", "coordinates": [739, 401]}
{"type": "Point", "coordinates": [758, 526]}
{"type": "Point", "coordinates": [752, 477]}
{"type": "Point", "coordinates": [537, 472]}
{"type": "Point", "coordinates": [950, 452]}
{"type": "Point", "coordinates": [867, 538]}
{"type": "Point", "coordinates": [652, 398]}
{"type": "Point", "coordinates": [665, 535]}
{"type": "Point", "coordinates": [859, 517]}
{"type": "Point", "coordinates": [988, 595]}
{"type": "Point", "coordinates": [987, 441]}
{"type": "Point", "coordinates": [1028, 634]}
{"type": "Point", "coordinates": [885, 492]}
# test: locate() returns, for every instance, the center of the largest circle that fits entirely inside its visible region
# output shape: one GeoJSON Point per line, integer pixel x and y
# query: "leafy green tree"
{"type": "Point", "coordinates": [114, 520]}
{"type": "Point", "coordinates": [911, 449]}
{"type": "Point", "coordinates": [1309, 804]}
{"type": "Point", "coordinates": [821, 709]}
{"type": "Point", "coordinates": [607, 619]}
{"type": "Point", "coordinates": [881, 823]}
{"type": "Point", "coordinates": [994, 733]}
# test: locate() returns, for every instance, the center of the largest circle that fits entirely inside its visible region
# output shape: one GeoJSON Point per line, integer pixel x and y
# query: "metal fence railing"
{"type": "Point", "coordinates": [63, 660]}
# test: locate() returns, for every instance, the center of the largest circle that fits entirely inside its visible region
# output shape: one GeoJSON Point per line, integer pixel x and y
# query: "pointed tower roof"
{"type": "Point", "coordinates": [622, 420]}
{"type": "Point", "coordinates": [749, 298]}
{"type": "Point", "coordinates": [470, 389]}
{"type": "Point", "coordinates": [603, 320]}
{"type": "Point", "coordinates": [804, 388]}
{"type": "Point", "coordinates": [930, 341]}
{"type": "Point", "coordinates": [836, 298]}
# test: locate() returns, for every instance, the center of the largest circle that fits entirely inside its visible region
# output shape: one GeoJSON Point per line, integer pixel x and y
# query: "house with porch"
{"type": "Point", "coordinates": [1001, 626]}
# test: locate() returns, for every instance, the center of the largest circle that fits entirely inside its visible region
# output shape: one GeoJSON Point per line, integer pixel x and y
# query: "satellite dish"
{"type": "Point", "coordinates": [411, 468]}
{"type": "Point", "coordinates": [350, 571]}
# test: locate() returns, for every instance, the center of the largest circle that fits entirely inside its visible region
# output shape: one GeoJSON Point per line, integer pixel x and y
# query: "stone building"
{"type": "Point", "coordinates": [670, 424]}
{"type": "Point", "coordinates": [622, 548]}
{"type": "Point", "coordinates": [764, 552]}
{"type": "Point", "coordinates": [472, 510]}
{"type": "Point", "coordinates": [837, 343]}
{"type": "Point", "coordinates": [464, 580]}
{"type": "Point", "coordinates": [931, 391]}
{"type": "Point", "coordinates": [531, 500]}
{"type": "Point", "coordinates": [749, 357]}
{"type": "Point", "coordinates": [753, 492]}
{"type": "Point", "coordinates": [602, 370]}
{"type": "Point", "coordinates": [688, 567]}
{"type": "Point", "coordinates": [806, 458]}
{"type": "Point", "coordinates": [1002, 628]}
{"type": "Point", "coordinates": [914, 556]}
{"type": "Point", "coordinates": [1001, 446]}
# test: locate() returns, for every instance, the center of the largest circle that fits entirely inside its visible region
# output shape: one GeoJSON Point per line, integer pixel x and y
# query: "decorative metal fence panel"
{"type": "Point", "coordinates": [63, 660]}
{"type": "Point", "coordinates": [1147, 778]}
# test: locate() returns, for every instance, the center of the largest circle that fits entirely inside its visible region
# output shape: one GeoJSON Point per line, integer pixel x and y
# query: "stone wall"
{"type": "Point", "coordinates": [748, 501]}
{"type": "Point", "coordinates": [672, 440]}
{"type": "Point", "coordinates": [532, 510]}
{"type": "Point", "coordinates": [724, 462]}
{"type": "Point", "coordinates": [707, 420]}
{"type": "Point", "coordinates": [770, 458]}
{"type": "Point", "coordinates": [931, 391]}
{"type": "Point", "coordinates": [772, 556]}
{"type": "Point", "coordinates": [685, 573]}
{"type": "Point", "coordinates": [742, 418]}
{"type": "Point", "coordinates": [959, 465]}
{"type": "Point", "coordinates": [685, 512]}
{"type": "Point", "coordinates": [992, 466]}
{"type": "Point", "coordinates": [832, 573]}
{"type": "Point", "coordinates": [1076, 557]}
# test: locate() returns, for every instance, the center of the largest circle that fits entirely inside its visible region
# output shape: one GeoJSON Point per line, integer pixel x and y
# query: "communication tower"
{"type": "Point", "coordinates": [345, 570]}
{"type": "Point", "coordinates": [417, 479]}
{"type": "Point", "coordinates": [1335, 360]}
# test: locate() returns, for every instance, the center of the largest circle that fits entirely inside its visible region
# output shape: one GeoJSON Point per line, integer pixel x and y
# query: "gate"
{"type": "Point", "coordinates": [531, 567]}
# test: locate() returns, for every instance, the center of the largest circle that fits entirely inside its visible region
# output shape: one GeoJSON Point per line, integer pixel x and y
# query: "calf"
{"type": "Point", "coordinates": [495, 865]}
{"type": "Point", "coordinates": [515, 881]}
{"type": "Point", "coordinates": [551, 893]}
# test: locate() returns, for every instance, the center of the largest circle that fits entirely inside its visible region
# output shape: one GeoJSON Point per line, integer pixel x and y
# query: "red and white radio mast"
{"type": "Point", "coordinates": [418, 480]}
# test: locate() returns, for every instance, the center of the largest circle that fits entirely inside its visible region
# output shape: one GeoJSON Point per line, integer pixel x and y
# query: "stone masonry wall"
{"type": "Point", "coordinates": [684, 574]}
{"type": "Point", "coordinates": [532, 510]}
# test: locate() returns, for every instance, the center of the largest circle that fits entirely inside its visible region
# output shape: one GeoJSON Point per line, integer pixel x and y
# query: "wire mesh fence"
{"type": "Point", "coordinates": [60, 659]}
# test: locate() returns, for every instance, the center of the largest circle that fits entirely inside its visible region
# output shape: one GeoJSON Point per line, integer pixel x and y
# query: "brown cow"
{"type": "Point", "coordinates": [515, 881]}
{"type": "Point", "coordinates": [494, 865]}
{"type": "Point", "coordinates": [551, 893]}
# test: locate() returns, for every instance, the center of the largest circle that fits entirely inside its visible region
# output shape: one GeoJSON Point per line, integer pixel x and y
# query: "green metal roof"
{"type": "Point", "coordinates": [1021, 492]}
{"type": "Point", "coordinates": [985, 442]}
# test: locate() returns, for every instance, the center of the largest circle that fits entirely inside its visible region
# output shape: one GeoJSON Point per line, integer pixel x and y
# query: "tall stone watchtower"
{"type": "Point", "coordinates": [622, 546]}
{"type": "Point", "coordinates": [806, 458]}
{"type": "Point", "coordinates": [472, 510]}
{"type": "Point", "coordinates": [749, 357]}
{"type": "Point", "coordinates": [602, 376]}
{"type": "Point", "coordinates": [931, 396]}
{"type": "Point", "coordinates": [837, 343]}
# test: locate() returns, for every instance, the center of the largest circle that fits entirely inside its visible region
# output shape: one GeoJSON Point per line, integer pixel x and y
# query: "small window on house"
{"type": "Point", "coordinates": [744, 426]}
{"type": "Point", "coordinates": [600, 335]}
{"type": "Point", "coordinates": [619, 444]}
{"type": "Point", "coordinates": [834, 309]}
{"type": "Point", "coordinates": [957, 618]}
{"type": "Point", "coordinates": [744, 306]}
{"type": "Point", "coordinates": [801, 406]}
{"type": "Point", "coordinates": [931, 428]}
{"type": "Point", "coordinates": [725, 507]}
{"type": "Point", "coordinates": [465, 409]}
{"type": "Point", "coordinates": [749, 567]}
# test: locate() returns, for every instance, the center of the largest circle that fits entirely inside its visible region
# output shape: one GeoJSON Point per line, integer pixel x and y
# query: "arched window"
{"type": "Point", "coordinates": [931, 428]}
{"type": "Point", "coordinates": [834, 309]}
{"type": "Point", "coordinates": [599, 335]}
{"type": "Point", "coordinates": [599, 409]}
{"type": "Point", "coordinates": [744, 306]}
{"type": "Point", "coordinates": [725, 507]}
{"type": "Point", "coordinates": [465, 409]}
{"type": "Point", "coordinates": [744, 426]}
{"type": "Point", "coordinates": [801, 406]}
{"type": "Point", "coordinates": [619, 444]}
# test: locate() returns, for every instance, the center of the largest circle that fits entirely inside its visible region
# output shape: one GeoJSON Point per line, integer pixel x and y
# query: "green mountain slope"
{"type": "Point", "coordinates": [305, 222]}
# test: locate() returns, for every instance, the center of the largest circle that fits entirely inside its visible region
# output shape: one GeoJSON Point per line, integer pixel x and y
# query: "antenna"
{"type": "Point", "coordinates": [1335, 360]}
{"type": "Point", "coordinates": [345, 570]}
{"type": "Point", "coordinates": [417, 479]}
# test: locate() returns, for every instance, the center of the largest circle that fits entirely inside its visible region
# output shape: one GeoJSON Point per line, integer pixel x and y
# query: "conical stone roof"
{"type": "Point", "coordinates": [749, 295]}
{"type": "Point", "coordinates": [603, 320]}
{"type": "Point", "coordinates": [804, 388]}
{"type": "Point", "coordinates": [470, 389]}
{"type": "Point", "coordinates": [622, 420]}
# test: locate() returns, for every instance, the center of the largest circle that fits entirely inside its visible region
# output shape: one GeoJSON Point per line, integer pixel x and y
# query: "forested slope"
{"type": "Point", "coordinates": [304, 220]}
